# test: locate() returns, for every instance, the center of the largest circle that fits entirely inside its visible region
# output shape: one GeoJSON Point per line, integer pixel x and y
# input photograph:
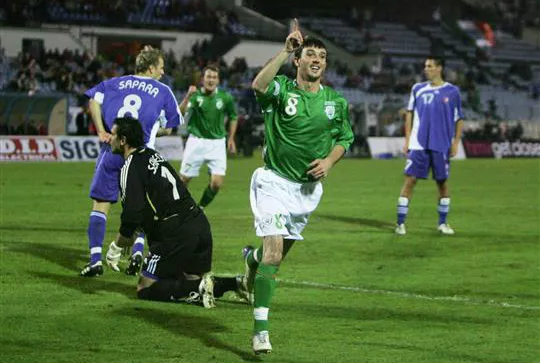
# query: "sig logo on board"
{"type": "Point", "coordinates": [78, 148]}
{"type": "Point", "coordinates": [21, 148]}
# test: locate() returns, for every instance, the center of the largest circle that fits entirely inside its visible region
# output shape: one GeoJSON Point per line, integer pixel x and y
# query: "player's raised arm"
{"type": "Point", "coordinates": [266, 75]}
{"type": "Point", "coordinates": [183, 105]}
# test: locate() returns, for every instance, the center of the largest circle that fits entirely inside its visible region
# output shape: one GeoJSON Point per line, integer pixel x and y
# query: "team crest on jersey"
{"type": "Point", "coordinates": [330, 109]}
{"type": "Point", "coordinates": [219, 104]}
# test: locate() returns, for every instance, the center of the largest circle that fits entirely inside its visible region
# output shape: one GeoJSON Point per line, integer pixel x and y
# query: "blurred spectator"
{"type": "Point", "coordinates": [244, 133]}
{"type": "Point", "coordinates": [535, 90]}
{"type": "Point", "coordinates": [4, 130]}
{"type": "Point", "coordinates": [492, 109]}
{"type": "Point", "coordinates": [42, 129]}
{"type": "Point", "coordinates": [516, 132]}
{"type": "Point", "coordinates": [473, 98]}
{"type": "Point", "coordinates": [83, 121]}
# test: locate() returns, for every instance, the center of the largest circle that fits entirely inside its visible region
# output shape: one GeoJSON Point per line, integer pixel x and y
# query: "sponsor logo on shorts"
{"type": "Point", "coordinates": [266, 221]}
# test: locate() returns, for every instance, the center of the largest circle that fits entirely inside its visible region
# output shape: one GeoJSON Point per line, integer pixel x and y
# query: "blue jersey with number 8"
{"type": "Point", "coordinates": [143, 98]}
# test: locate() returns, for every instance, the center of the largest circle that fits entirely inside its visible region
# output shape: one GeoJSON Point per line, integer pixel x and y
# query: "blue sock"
{"type": "Point", "coordinates": [443, 209]}
{"type": "Point", "coordinates": [138, 246]}
{"type": "Point", "coordinates": [402, 209]}
{"type": "Point", "coordinates": [96, 235]}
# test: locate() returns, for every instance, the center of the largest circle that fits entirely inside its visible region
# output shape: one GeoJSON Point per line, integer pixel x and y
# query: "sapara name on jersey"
{"type": "Point", "coordinates": [140, 86]}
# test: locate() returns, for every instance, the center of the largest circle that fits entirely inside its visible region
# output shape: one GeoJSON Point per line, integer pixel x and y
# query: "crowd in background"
{"type": "Point", "coordinates": [187, 15]}
{"type": "Point", "coordinates": [74, 72]}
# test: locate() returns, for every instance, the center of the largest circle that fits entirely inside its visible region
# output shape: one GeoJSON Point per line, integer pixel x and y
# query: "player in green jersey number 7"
{"type": "Point", "coordinates": [307, 131]}
{"type": "Point", "coordinates": [207, 108]}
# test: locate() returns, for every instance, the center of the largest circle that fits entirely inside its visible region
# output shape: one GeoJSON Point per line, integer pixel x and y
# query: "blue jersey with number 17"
{"type": "Point", "coordinates": [436, 109]}
{"type": "Point", "coordinates": [143, 98]}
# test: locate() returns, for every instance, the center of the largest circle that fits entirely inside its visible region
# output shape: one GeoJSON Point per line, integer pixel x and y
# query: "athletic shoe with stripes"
{"type": "Point", "coordinates": [92, 270]}
{"type": "Point", "coordinates": [134, 266]}
{"type": "Point", "coordinates": [206, 290]}
{"type": "Point", "coordinates": [261, 343]}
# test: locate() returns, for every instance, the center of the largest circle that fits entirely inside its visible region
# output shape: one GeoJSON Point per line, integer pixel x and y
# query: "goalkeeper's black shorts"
{"type": "Point", "coordinates": [179, 245]}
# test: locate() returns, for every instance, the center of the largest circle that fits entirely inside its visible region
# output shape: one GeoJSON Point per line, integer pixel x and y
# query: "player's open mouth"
{"type": "Point", "coordinates": [315, 68]}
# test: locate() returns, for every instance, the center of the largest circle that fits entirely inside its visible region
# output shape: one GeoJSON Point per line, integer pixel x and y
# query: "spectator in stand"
{"type": "Point", "coordinates": [516, 132]}
{"type": "Point", "coordinates": [42, 128]}
{"type": "Point", "coordinates": [83, 121]}
{"type": "Point", "coordinates": [4, 129]}
{"type": "Point", "coordinates": [535, 90]}
{"type": "Point", "coordinates": [473, 98]}
{"type": "Point", "coordinates": [492, 109]}
{"type": "Point", "coordinates": [19, 128]}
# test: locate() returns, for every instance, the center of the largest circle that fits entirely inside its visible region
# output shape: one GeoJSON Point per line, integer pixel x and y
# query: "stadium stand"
{"type": "Point", "coordinates": [501, 82]}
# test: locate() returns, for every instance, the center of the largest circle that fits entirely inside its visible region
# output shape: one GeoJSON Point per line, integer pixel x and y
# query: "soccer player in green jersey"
{"type": "Point", "coordinates": [307, 131]}
{"type": "Point", "coordinates": [206, 110]}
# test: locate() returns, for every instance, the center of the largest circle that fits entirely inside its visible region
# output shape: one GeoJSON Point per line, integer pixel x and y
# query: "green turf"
{"type": "Point", "coordinates": [399, 310]}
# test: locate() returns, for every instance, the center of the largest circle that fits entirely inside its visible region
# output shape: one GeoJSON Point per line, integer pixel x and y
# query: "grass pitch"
{"type": "Point", "coordinates": [351, 292]}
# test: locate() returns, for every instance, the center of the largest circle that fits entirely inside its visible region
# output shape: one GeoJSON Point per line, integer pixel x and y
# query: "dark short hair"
{"type": "Point", "coordinates": [439, 61]}
{"type": "Point", "coordinates": [147, 57]}
{"type": "Point", "coordinates": [131, 129]}
{"type": "Point", "coordinates": [309, 42]}
{"type": "Point", "coordinates": [210, 67]}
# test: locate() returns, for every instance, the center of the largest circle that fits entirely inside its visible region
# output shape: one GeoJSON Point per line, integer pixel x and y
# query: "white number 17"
{"type": "Point", "coordinates": [428, 98]}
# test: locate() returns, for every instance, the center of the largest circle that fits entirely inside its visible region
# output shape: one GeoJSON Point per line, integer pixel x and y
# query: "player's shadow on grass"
{"type": "Point", "coordinates": [438, 352]}
{"type": "Point", "coordinates": [90, 285]}
{"type": "Point", "coordinates": [194, 327]}
{"type": "Point", "coordinates": [66, 257]}
{"type": "Point", "coordinates": [378, 313]}
{"type": "Point", "coordinates": [26, 228]}
{"type": "Point", "coordinates": [358, 221]}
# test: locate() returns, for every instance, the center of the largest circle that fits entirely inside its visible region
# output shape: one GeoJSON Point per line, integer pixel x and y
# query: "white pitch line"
{"type": "Point", "coordinates": [409, 295]}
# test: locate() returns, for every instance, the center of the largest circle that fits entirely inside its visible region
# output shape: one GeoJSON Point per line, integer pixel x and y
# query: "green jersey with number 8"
{"type": "Point", "coordinates": [301, 126]}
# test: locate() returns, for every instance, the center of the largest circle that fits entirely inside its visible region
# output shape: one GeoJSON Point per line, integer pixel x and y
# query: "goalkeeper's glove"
{"type": "Point", "coordinates": [113, 256]}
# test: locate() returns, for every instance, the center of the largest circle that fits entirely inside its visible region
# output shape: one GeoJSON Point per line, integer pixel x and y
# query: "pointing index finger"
{"type": "Point", "coordinates": [296, 27]}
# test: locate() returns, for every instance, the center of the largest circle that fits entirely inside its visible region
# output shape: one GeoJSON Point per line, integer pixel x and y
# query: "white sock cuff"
{"type": "Point", "coordinates": [444, 201]}
{"type": "Point", "coordinates": [139, 240]}
{"type": "Point", "coordinates": [403, 201]}
{"type": "Point", "coordinates": [255, 255]}
{"type": "Point", "coordinates": [98, 214]}
{"type": "Point", "coordinates": [260, 313]}
{"type": "Point", "coordinates": [95, 250]}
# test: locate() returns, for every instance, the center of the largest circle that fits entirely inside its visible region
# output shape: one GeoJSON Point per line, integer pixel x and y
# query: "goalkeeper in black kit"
{"type": "Point", "coordinates": [155, 200]}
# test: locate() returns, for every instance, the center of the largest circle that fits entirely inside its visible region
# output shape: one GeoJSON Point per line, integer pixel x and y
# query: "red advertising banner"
{"type": "Point", "coordinates": [502, 149]}
{"type": "Point", "coordinates": [478, 148]}
{"type": "Point", "coordinates": [21, 148]}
